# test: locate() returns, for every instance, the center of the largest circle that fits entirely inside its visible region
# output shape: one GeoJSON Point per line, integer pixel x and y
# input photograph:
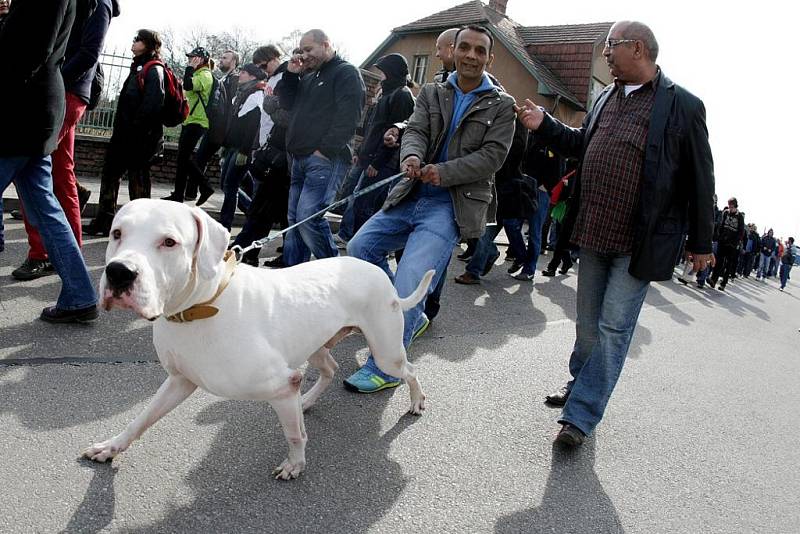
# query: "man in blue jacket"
{"type": "Point", "coordinates": [33, 41]}
{"type": "Point", "coordinates": [646, 140]}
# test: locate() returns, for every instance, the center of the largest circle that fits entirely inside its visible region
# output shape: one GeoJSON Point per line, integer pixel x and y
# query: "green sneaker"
{"type": "Point", "coordinates": [367, 381]}
{"type": "Point", "coordinates": [422, 328]}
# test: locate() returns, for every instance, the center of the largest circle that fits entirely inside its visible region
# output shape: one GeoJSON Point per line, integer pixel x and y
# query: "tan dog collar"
{"type": "Point", "coordinates": [204, 310]}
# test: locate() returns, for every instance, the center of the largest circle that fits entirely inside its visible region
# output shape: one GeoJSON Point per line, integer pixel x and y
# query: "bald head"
{"type": "Point", "coordinates": [317, 36]}
{"type": "Point", "coordinates": [632, 29]}
{"type": "Point", "coordinates": [316, 49]}
{"type": "Point", "coordinates": [444, 48]}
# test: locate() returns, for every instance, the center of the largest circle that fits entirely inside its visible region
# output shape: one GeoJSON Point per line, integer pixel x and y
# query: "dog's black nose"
{"type": "Point", "coordinates": [119, 276]}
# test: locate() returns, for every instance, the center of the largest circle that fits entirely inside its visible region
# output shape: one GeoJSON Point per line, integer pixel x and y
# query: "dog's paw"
{"type": "Point", "coordinates": [103, 451]}
{"type": "Point", "coordinates": [288, 470]}
{"type": "Point", "coordinates": [417, 406]}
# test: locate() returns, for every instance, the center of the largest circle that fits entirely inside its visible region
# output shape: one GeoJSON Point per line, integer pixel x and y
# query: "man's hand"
{"type": "Point", "coordinates": [268, 90]}
{"type": "Point", "coordinates": [410, 166]}
{"type": "Point", "coordinates": [390, 137]}
{"type": "Point", "coordinates": [194, 61]}
{"type": "Point", "coordinates": [372, 172]}
{"type": "Point", "coordinates": [430, 175]}
{"type": "Point", "coordinates": [321, 155]}
{"type": "Point", "coordinates": [295, 64]}
{"type": "Point", "coordinates": [700, 261]}
{"type": "Point", "coordinates": [530, 115]}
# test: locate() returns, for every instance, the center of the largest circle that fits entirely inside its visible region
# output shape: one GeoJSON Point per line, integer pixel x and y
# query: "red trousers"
{"type": "Point", "coordinates": [64, 184]}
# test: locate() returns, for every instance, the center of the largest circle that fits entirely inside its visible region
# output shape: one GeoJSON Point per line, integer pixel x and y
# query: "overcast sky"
{"type": "Point", "coordinates": [742, 61]}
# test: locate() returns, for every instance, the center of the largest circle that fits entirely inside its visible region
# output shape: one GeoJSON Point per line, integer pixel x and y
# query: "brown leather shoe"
{"type": "Point", "coordinates": [467, 279]}
{"type": "Point", "coordinates": [559, 398]}
{"type": "Point", "coordinates": [570, 436]}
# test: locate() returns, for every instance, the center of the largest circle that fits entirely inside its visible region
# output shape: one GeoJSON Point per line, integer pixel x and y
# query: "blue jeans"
{"type": "Point", "coordinates": [313, 187]}
{"type": "Point", "coordinates": [530, 255]}
{"type": "Point", "coordinates": [485, 251]}
{"type": "Point", "coordinates": [785, 270]}
{"type": "Point", "coordinates": [763, 266]}
{"type": "Point", "coordinates": [33, 179]}
{"type": "Point", "coordinates": [351, 183]}
{"type": "Point", "coordinates": [426, 228]}
{"type": "Point", "coordinates": [231, 177]}
{"type": "Point", "coordinates": [609, 302]}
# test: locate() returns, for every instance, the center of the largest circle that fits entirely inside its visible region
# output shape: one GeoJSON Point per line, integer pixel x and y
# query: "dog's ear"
{"type": "Point", "coordinates": [212, 241]}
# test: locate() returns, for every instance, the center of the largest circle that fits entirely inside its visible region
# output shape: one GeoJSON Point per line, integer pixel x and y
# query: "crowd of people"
{"type": "Point", "coordinates": [473, 162]}
{"type": "Point", "coordinates": [740, 251]}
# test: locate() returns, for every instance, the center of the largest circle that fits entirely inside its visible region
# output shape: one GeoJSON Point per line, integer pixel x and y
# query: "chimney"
{"type": "Point", "coordinates": [499, 5]}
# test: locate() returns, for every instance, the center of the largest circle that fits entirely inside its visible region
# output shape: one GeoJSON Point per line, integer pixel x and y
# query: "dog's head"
{"type": "Point", "coordinates": [157, 252]}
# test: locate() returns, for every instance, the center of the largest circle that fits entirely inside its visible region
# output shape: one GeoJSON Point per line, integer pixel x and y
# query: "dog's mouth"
{"type": "Point", "coordinates": [124, 299]}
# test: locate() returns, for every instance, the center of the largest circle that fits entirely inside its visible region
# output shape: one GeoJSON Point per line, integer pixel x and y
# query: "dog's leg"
{"type": "Point", "coordinates": [327, 366]}
{"type": "Point", "coordinates": [288, 408]}
{"type": "Point", "coordinates": [174, 390]}
{"type": "Point", "coordinates": [385, 342]}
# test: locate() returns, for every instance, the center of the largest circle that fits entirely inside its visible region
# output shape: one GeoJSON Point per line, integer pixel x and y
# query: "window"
{"type": "Point", "coordinates": [420, 69]}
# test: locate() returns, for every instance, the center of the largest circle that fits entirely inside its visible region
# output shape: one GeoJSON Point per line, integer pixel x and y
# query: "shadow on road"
{"type": "Point", "coordinates": [349, 485]}
{"type": "Point", "coordinates": [574, 501]}
{"type": "Point", "coordinates": [96, 510]}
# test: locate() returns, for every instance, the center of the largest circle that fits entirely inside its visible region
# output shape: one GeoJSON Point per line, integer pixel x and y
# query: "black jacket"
{"type": "Point", "coordinates": [724, 232]}
{"type": "Point", "coordinates": [137, 121]}
{"type": "Point", "coordinates": [677, 192]}
{"type": "Point", "coordinates": [243, 131]}
{"type": "Point", "coordinates": [395, 105]}
{"type": "Point", "coordinates": [326, 107]}
{"type": "Point", "coordinates": [517, 197]}
{"type": "Point", "coordinates": [32, 45]}
{"type": "Point", "coordinates": [85, 44]}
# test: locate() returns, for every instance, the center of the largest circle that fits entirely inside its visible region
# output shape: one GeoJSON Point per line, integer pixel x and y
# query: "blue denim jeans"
{"type": "Point", "coordinates": [785, 270]}
{"type": "Point", "coordinates": [351, 183]}
{"type": "Point", "coordinates": [763, 266]}
{"type": "Point", "coordinates": [528, 255]}
{"type": "Point", "coordinates": [485, 251]}
{"type": "Point", "coordinates": [231, 178]}
{"type": "Point", "coordinates": [33, 179]}
{"type": "Point", "coordinates": [426, 228]}
{"type": "Point", "coordinates": [313, 187]}
{"type": "Point", "coordinates": [609, 302]}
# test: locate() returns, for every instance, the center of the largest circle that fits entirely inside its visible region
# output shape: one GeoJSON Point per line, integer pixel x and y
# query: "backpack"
{"type": "Point", "coordinates": [217, 111]}
{"type": "Point", "coordinates": [176, 108]}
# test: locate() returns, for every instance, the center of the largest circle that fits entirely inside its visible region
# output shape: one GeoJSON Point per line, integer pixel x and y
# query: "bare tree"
{"type": "Point", "coordinates": [287, 43]}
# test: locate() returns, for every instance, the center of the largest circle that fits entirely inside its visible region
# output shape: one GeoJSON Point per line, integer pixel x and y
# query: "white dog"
{"type": "Point", "coordinates": [241, 332]}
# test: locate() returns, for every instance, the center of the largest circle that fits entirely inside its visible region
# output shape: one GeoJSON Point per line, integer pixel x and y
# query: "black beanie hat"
{"type": "Point", "coordinates": [393, 66]}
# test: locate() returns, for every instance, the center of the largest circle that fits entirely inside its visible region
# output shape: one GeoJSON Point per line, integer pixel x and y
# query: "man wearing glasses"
{"type": "Point", "coordinates": [645, 141]}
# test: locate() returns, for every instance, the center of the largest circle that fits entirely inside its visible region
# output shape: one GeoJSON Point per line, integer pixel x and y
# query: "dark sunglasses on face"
{"type": "Point", "coordinates": [137, 39]}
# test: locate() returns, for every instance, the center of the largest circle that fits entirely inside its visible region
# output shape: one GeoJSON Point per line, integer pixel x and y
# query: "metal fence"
{"type": "Point", "coordinates": [100, 121]}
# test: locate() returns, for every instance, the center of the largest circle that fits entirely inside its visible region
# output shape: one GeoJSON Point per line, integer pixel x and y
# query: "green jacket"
{"type": "Point", "coordinates": [477, 149]}
{"type": "Point", "coordinates": [195, 88]}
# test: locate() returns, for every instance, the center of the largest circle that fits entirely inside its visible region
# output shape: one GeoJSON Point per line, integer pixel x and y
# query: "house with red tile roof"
{"type": "Point", "coordinates": [560, 67]}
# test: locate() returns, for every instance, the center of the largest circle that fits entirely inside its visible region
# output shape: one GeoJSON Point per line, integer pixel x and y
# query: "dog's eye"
{"type": "Point", "coordinates": [116, 234]}
{"type": "Point", "coordinates": [169, 242]}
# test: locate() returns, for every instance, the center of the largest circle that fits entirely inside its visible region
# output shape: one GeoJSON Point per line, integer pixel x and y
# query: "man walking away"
{"type": "Point", "coordinates": [730, 232]}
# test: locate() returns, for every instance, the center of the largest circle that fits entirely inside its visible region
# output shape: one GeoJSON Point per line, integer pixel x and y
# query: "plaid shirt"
{"type": "Point", "coordinates": [611, 174]}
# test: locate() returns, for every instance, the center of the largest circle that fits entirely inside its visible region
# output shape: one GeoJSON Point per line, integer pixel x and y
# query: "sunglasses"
{"type": "Point", "coordinates": [137, 39]}
{"type": "Point", "coordinates": [613, 43]}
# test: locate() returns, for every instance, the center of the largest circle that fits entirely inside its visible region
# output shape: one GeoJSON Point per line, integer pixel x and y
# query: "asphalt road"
{"type": "Point", "coordinates": [700, 435]}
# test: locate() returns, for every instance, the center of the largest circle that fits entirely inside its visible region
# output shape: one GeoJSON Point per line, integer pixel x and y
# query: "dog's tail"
{"type": "Point", "coordinates": [422, 290]}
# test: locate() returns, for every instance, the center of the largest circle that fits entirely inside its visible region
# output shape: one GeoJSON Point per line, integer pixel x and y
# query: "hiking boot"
{"type": "Point", "coordinates": [32, 269]}
{"type": "Point", "coordinates": [368, 381]}
{"type": "Point", "coordinates": [59, 316]}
